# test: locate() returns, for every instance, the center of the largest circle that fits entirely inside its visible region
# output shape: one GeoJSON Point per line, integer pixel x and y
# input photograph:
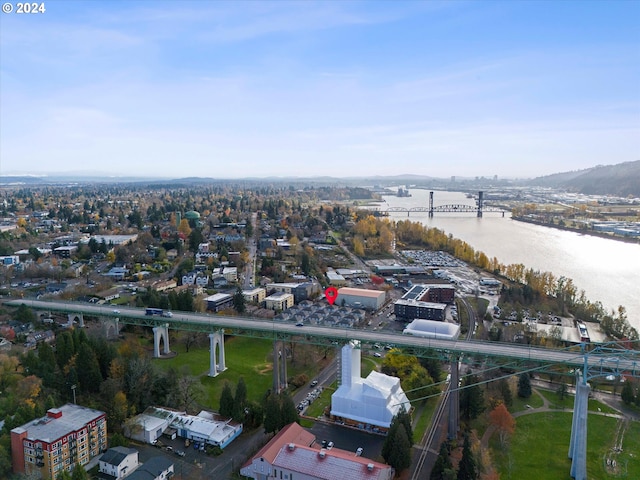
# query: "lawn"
{"type": "Point", "coordinates": [244, 357]}
{"type": "Point", "coordinates": [540, 444]}
{"type": "Point", "coordinates": [567, 403]}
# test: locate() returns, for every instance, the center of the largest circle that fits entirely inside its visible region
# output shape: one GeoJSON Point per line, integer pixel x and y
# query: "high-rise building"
{"type": "Point", "coordinates": [65, 437]}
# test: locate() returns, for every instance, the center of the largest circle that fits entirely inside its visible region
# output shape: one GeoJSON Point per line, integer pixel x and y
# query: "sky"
{"type": "Point", "coordinates": [240, 89]}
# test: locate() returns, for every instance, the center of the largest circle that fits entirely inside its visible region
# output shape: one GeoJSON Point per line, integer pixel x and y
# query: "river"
{"type": "Point", "coordinates": [607, 270]}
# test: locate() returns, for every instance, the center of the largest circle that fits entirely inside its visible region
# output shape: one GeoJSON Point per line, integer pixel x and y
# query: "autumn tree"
{"type": "Point", "coordinates": [504, 423]}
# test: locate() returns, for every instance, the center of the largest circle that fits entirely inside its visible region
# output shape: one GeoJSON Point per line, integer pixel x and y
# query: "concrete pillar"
{"type": "Point", "coordinates": [159, 333]}
{"type": "Point", "coordinates": [276, 367]}
{"type": "Point", "coordinates": [213, 369]}
{"type": "Point", "coordinates": [71, 316]}
{"type": "Point", "coordinates": [156, 342]}
{"type": "Point", "coordinates": [454, 400]}
{"type": "Point", "coordinates": [578, 442]}
{"type": "Point", "coordinates": [221, 357]}
{"type": "Point", "coordinates": [216, 365]}
{"type": "Point", "coordinates": [167, 351]}
{"type": "Point", "coordinates": [283, 367]}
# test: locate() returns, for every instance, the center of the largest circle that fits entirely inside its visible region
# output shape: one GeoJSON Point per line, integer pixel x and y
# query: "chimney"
{"type": "Point", "coordinates": [54, 413]}
{"type": "Point", "coordinates": [370, 467]}
{"type": "Point", "coordinates": [292, 446]}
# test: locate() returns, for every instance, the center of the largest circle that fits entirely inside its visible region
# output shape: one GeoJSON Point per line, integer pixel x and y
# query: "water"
{"type": "Point", "coordinates": [607, 270]}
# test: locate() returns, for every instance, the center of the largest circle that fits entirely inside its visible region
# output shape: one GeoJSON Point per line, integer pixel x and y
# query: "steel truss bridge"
{"type": "Point", "coordinates": [600, 361]}
{"type": "Point", "coordinates": [478, 209]}
{"type": "Point", "coordinates": [607, 361]}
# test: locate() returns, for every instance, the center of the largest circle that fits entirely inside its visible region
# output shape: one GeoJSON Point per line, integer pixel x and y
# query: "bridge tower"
{"type": "Point", "coordinates": [430, 204]}
{"type": "Point", "coordinates": [454, 400]}
{"type": "Point", "coordinates": [578, 442]}
{"type": "Point", "coordinates": [216, 340]}
{"type": "Point", "coordinates": [161, 332]}
{"type": "Point", "coordinates": [279, 366]}
{"type": "Point", "coordinates": [480, 198]}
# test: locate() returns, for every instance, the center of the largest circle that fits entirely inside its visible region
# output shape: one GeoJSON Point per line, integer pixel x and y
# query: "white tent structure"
{"type": "Point", "coordinates": [432, 329]}
{"type": "Point", "coordinates": [370, 402]}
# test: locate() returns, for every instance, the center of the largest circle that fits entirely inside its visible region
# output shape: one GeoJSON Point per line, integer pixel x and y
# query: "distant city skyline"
{"type": "Point", "coordinates": [305, 89]}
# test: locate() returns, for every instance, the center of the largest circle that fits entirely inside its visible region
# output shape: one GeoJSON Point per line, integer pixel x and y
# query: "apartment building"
{"type": "Point", "coordinates": [66, 436]}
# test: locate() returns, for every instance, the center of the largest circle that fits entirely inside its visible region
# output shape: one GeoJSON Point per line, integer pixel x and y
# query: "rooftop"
{"type": "Point", "coordinates": [49, 429]}
{"type": "Point", "coordinates": [363, 292]}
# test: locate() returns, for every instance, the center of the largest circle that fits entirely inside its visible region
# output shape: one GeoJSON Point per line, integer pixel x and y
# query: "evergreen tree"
{"type": "Point", "coordinates": [226, 401]}
{"type": "Point", "coordinates": [400, 452]}
{"type": "Point", "coordinates": [524, 385]}
{"type": "Point", "coordinates": [64, 349]}
{"type": "Point", "coordinates": [405, 419]}
{"type": "Point", "coordinates": [397, 445]}
{"type": "Point", "coordinates": [238, 301]}
{"type": "Point", "coordinates": [505, 390]}
{"type": "Point", "coordinates": [89, 375]}
{"type": "Point", "coordinates": [63, 475]}
{"type": "Point", "coordinates": [467, 469]}
{"type": "Point", "coordinates": [240, 399]}
{"type": "Point", "coordinates": [79, 473]}
{"type": "Point", "coordinates": [471, 398]}
{"type": "Point", "coordinates": [627, 394]}
{"type": "Point", "coordinates": [288, 411]}
{"type": "Point", "coordinates": [442, 469]}
{"type": "Point", "coordinates": [272, 414]}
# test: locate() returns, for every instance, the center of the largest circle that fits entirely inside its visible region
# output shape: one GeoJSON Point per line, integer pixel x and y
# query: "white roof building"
{"type": "Point", "coordinates": [432, 329]}
{"type": "Point", "coordinates": [371, 401]}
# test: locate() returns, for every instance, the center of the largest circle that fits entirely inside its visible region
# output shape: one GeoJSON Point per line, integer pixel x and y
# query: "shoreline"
{"type": "Point", "coordinates": [593, 233]}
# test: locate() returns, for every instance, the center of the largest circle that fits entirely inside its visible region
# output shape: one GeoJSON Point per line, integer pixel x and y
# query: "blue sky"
{"type": "Point", "coordinates": [236, 89]}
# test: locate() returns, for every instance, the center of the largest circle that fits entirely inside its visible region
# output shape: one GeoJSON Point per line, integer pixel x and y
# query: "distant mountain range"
{"type": "Point", "coordinates": [621, 180]}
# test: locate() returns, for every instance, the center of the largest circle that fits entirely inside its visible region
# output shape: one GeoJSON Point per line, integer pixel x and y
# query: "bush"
{"type": "Point", "coordinates": [214, 450]}
{"type": "Point", "coordinates": [299, 380]}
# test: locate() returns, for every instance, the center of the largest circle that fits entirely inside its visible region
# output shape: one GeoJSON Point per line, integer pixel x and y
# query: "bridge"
{"type": "Point", "coordinates": [478, 209]}
{"type": "Point", "coordinates": [600, 362]}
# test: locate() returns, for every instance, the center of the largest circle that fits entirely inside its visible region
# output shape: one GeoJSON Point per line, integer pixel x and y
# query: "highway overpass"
{"type": "Point", "coordinates": [608, 360]}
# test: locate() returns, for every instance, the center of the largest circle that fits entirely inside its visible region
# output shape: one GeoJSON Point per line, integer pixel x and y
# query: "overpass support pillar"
{"type": "Point", "coordinates": [216, 340]}
{"type": "Point", "coordinates": [72, 316]}
{"type": "Point", "coordinates": [161, 333]}
{"type": "Point", "coordinates": [578, 443]}
{"type": "Point", "coordinates": [454, 400]}
{"type": "Point", "coordinates": [279, 366]}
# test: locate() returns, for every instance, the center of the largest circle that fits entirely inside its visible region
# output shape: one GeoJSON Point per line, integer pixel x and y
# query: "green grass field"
{"type": "Point", "coordinates": [539, 447]}
{"type": "Point", "coordinates": [567, 403]}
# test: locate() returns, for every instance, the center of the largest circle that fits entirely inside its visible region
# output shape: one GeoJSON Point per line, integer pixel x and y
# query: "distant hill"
{"type": "Point", "coordinates": [620, 180]}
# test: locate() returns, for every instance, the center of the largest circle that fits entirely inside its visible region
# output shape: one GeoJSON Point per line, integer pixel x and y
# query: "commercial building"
{"type": "Point", "coordinates": [427, 302]}
{"type": "Point", "coordinates": [279, 301]}
{"type": "Point", "coordinates": [369, 403]}
{"type": "Point", "coordinates": [361, 298]}
{"type": "Point", "coordinates": [295, 454]}
{"type": "Point", "coordinates": [300, 291]}
{"type": "Point", "coordinates": [335, 279]}
{"type": "Point", "coordinates": [411, 309]}
{"type": "Point", "coordinates": [255, 295]}
{"type": "Point", "coordinates": [219, 301]}
{"type": "Point", "coordinates": [66, 436]}
{"type": "Point", "coordinates": [206, 427]}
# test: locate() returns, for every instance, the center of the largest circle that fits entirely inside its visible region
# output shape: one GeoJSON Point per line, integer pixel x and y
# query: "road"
{"type": "Point", "coordinates": [615, 361]}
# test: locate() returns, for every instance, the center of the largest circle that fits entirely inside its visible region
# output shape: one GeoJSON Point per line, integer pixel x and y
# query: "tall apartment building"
{"type": "Point", "coordinates": [66, 436]}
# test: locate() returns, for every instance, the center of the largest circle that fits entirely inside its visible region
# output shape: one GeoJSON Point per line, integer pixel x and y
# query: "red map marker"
{"type": "Point", "coordinates": [331, 293]}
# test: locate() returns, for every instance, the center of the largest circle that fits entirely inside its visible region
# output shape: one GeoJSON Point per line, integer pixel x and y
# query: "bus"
{"type": "Point", "coordinates": [153, 311]}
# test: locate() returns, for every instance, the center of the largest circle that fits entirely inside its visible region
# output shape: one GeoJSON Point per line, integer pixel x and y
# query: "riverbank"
{"type": "Point", "coordinates": [581, 231]}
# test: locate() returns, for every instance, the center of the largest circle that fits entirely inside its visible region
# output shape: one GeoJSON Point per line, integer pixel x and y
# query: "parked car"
{"type": "Point", "coordinates": [313, 384]}
{"type": "Point", "coordinates": [180, 453]}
